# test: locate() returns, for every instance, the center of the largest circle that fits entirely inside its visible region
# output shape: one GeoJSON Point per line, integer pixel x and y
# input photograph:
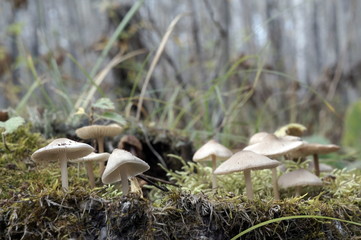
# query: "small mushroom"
{"type": "Point", "coordinates": [87, 160]}
{"type": "Point", "coordinates": [121, 166]}
{"type": "Point", "coordinates": [98, 132]}
{"type": "Point", "coordinates": [246, 161]}
{"type": "Point", "coordinates": [62, 149]}
{"type": "Point", "coordinates": [212, 150]}
{"type": "Point", "coordinates": [322, 167]}
{"type": "Point", "coordinates": [299, 178]}
{"type": "Point", "coordinates": [314, 149]}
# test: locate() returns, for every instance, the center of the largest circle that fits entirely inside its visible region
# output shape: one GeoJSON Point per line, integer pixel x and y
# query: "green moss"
{"type": "Point", "coordinates": [33, 204]}
{"type": "Point", "coordinates": [22, 144]}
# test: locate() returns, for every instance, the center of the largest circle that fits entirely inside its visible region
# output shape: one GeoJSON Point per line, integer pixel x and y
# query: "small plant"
{"type": "Point", "coordinates": [10, 126]}
{"type": "Point", "coordinates": [102, 109]}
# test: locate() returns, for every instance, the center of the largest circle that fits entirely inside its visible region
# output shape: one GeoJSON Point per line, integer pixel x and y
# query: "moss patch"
{"type": "Point", "coordinates": [33, 206]}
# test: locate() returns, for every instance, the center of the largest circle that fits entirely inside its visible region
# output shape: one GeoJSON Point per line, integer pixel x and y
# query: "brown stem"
{"type": "Point", "coordinates": [247, 178]}
{"type": "Point", "coordinates": [316, 164]}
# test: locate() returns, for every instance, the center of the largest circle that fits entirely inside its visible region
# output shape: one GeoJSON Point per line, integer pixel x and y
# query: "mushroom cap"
{"type": "Point", "coordinates": [257, 137]}
{"type": "Point", "coordinates": [121, 160]}
{"type": "Point", "coordinates": [130, 140]}
{"type": "Point", "coordinates": [299, 177]}
{"type": "Point", "coordinates": [273, 146]}
{"type": "Point", "coordinates": [70, 148]}
{"type": "Point", "coordinates": [314, 148]}
{"type": "Point", "coordinates": [323, 167]}
{"type": "Point", "coordinates": [210, 148]}
{"type": "Point", "coordinates": [95, 131]}
{"type": "Point", "coordinates": [98, 157]}
{"type": "Point", "coordinates": [245, 160]}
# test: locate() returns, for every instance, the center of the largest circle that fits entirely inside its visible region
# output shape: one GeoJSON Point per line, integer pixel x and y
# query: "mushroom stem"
{"type": "Point", "coordinates": [275, 185]}
{"type": "Point", "coordinates": [100, 142]}
{"type": "Point", "coordinates": [298, 191]}
{"type": "Point", "coordinates": [247, 178]}
{"type": "Point", "coordinates": [89, 170]}
{"type": "Point", "coordinates": [214, 166]}
{"type": "Point", "coordinates": [64, 172]}
{"type": "Point", "coordinates": [316, 164]}
{"type": "Point", "coordinates": [125, 183]}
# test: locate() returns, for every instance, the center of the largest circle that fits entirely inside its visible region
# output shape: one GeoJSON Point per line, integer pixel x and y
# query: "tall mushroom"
{"type": "Point", "coordinates": [246, 161]}
{"type": "Point", "coordinates": [212, 150]}
{"type": "Point", "coordinates": [62, 149]}
{"type": "Point", "coordinates": [314, 149]}
{"type": "Point", "coordinates": [87, 160]}
{"type": "Point", "coordinates": [298, 179]}
{"type": "Point", "coordinates": [98, 132]}
{"type": "Point", "coordinates": [121, 166]}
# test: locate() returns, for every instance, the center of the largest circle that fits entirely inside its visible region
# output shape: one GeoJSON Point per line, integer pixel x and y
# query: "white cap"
{"type": "Point", "coordinates": [70, 148]}
{"type": "Point", "coordinates": [246, 160]}
{"type": "Point", "coordinates": [210, 148]}
{"type": "Point", "coordinates": [300, 177]}
{"type": "Point", "coordinates": [273, 146]}
{"type": "Point", "coordinates": [122, 161]}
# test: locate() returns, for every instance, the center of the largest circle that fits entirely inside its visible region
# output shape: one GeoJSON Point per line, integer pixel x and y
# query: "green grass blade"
{"type": "Point", "coordinates": [289, 218]}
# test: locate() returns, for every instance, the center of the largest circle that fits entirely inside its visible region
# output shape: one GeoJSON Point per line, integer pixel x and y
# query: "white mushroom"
{"type": "Point", "coordinates": [246, 161]}
{"type": "Point", "coordinates": [62, 149]}
{"type": "Point", "coordinates": [98, 132]}
{"type": "Point", "coordinates": [212, 150]}
{"type": "Point", "coordinates": [298, 179]}
{"type": "Point", "coordinates": [87, 160]}
{"type": "Point", "coordinates": [121, 166]}
{"type": "Point", "coordinates": [272, 146]}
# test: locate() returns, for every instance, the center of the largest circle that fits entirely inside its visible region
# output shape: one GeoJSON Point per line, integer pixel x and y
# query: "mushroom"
{"type": "Point", "coordinates": [298, 179]}
{"type": "Point", "coordinates": [314, 149]}
{"type": "Point", "coordinates": [257, 137]}
{"type": "Point", "coordinates": [212, 150]}
{"type": "Point", "coordinates": [246, 161]}
{"type": "Point", "coordinates": [121, 166]}
{"type": "Point", "coordinates": [62, 149]}
{"type": "Point", "coordinates": [323, 167]}
{"type": "Point", "coordinates": [98, 132]}
{"type": "Point", "coordinates": [87, 160]}
{"type": "Point", "coordinates": [272, 146]}
{"type": "Point", "coordinates": [132, 144]}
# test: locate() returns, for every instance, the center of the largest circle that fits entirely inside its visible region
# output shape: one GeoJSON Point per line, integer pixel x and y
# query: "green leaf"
{"type": "Point", "coordinates": [12, 124]}
{"type": "Point", "coordinates": [104, 103]}
{"type": "Point", "coordinates": [352, 129]}
{"type": "Point", "coordinates": [112, 116]}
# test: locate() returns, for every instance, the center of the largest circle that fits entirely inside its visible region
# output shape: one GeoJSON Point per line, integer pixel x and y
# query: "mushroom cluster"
{"type": "Point", "coordinates": [261, 153]}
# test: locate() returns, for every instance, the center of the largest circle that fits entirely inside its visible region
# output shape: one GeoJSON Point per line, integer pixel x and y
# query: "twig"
{"type": "Point", "coordinates": [161, 160]}
{"type": "Point", "coordinates": [155, 61]}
